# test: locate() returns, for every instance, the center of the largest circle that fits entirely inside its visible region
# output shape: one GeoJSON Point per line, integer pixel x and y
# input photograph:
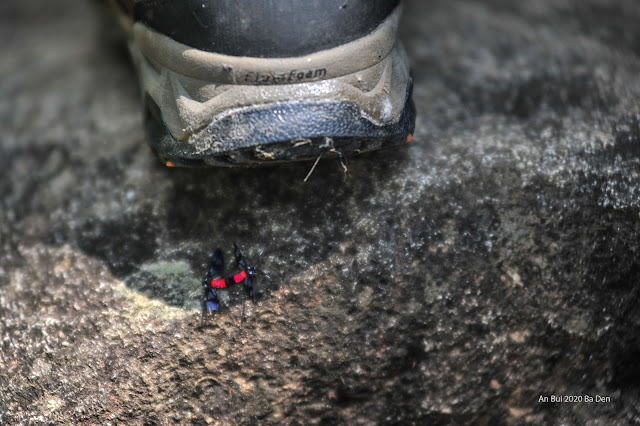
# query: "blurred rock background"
{"type": "Point", "coordinates": [495, 260]}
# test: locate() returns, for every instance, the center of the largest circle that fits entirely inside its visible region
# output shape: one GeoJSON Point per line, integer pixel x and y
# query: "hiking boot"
{"type": "Point", "coordinates": [229, 82]}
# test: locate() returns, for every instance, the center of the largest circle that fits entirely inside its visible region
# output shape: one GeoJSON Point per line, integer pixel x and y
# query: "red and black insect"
{"type": "Point", "coordinates": [216, 280]}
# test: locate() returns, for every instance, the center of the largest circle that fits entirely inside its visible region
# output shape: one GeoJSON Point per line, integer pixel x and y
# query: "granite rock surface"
{"type": "Point", "coordinates": [493, 261]}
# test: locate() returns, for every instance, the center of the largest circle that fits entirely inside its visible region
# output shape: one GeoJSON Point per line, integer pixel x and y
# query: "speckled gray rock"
{"type": "Point", "coordinates": [494, 261]}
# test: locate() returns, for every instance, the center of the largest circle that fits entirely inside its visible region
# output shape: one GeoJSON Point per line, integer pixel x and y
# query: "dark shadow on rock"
{"type": "Point", "coordinates": [124, 243]}
{"type": "Point", "coordinates": [283, 224]}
